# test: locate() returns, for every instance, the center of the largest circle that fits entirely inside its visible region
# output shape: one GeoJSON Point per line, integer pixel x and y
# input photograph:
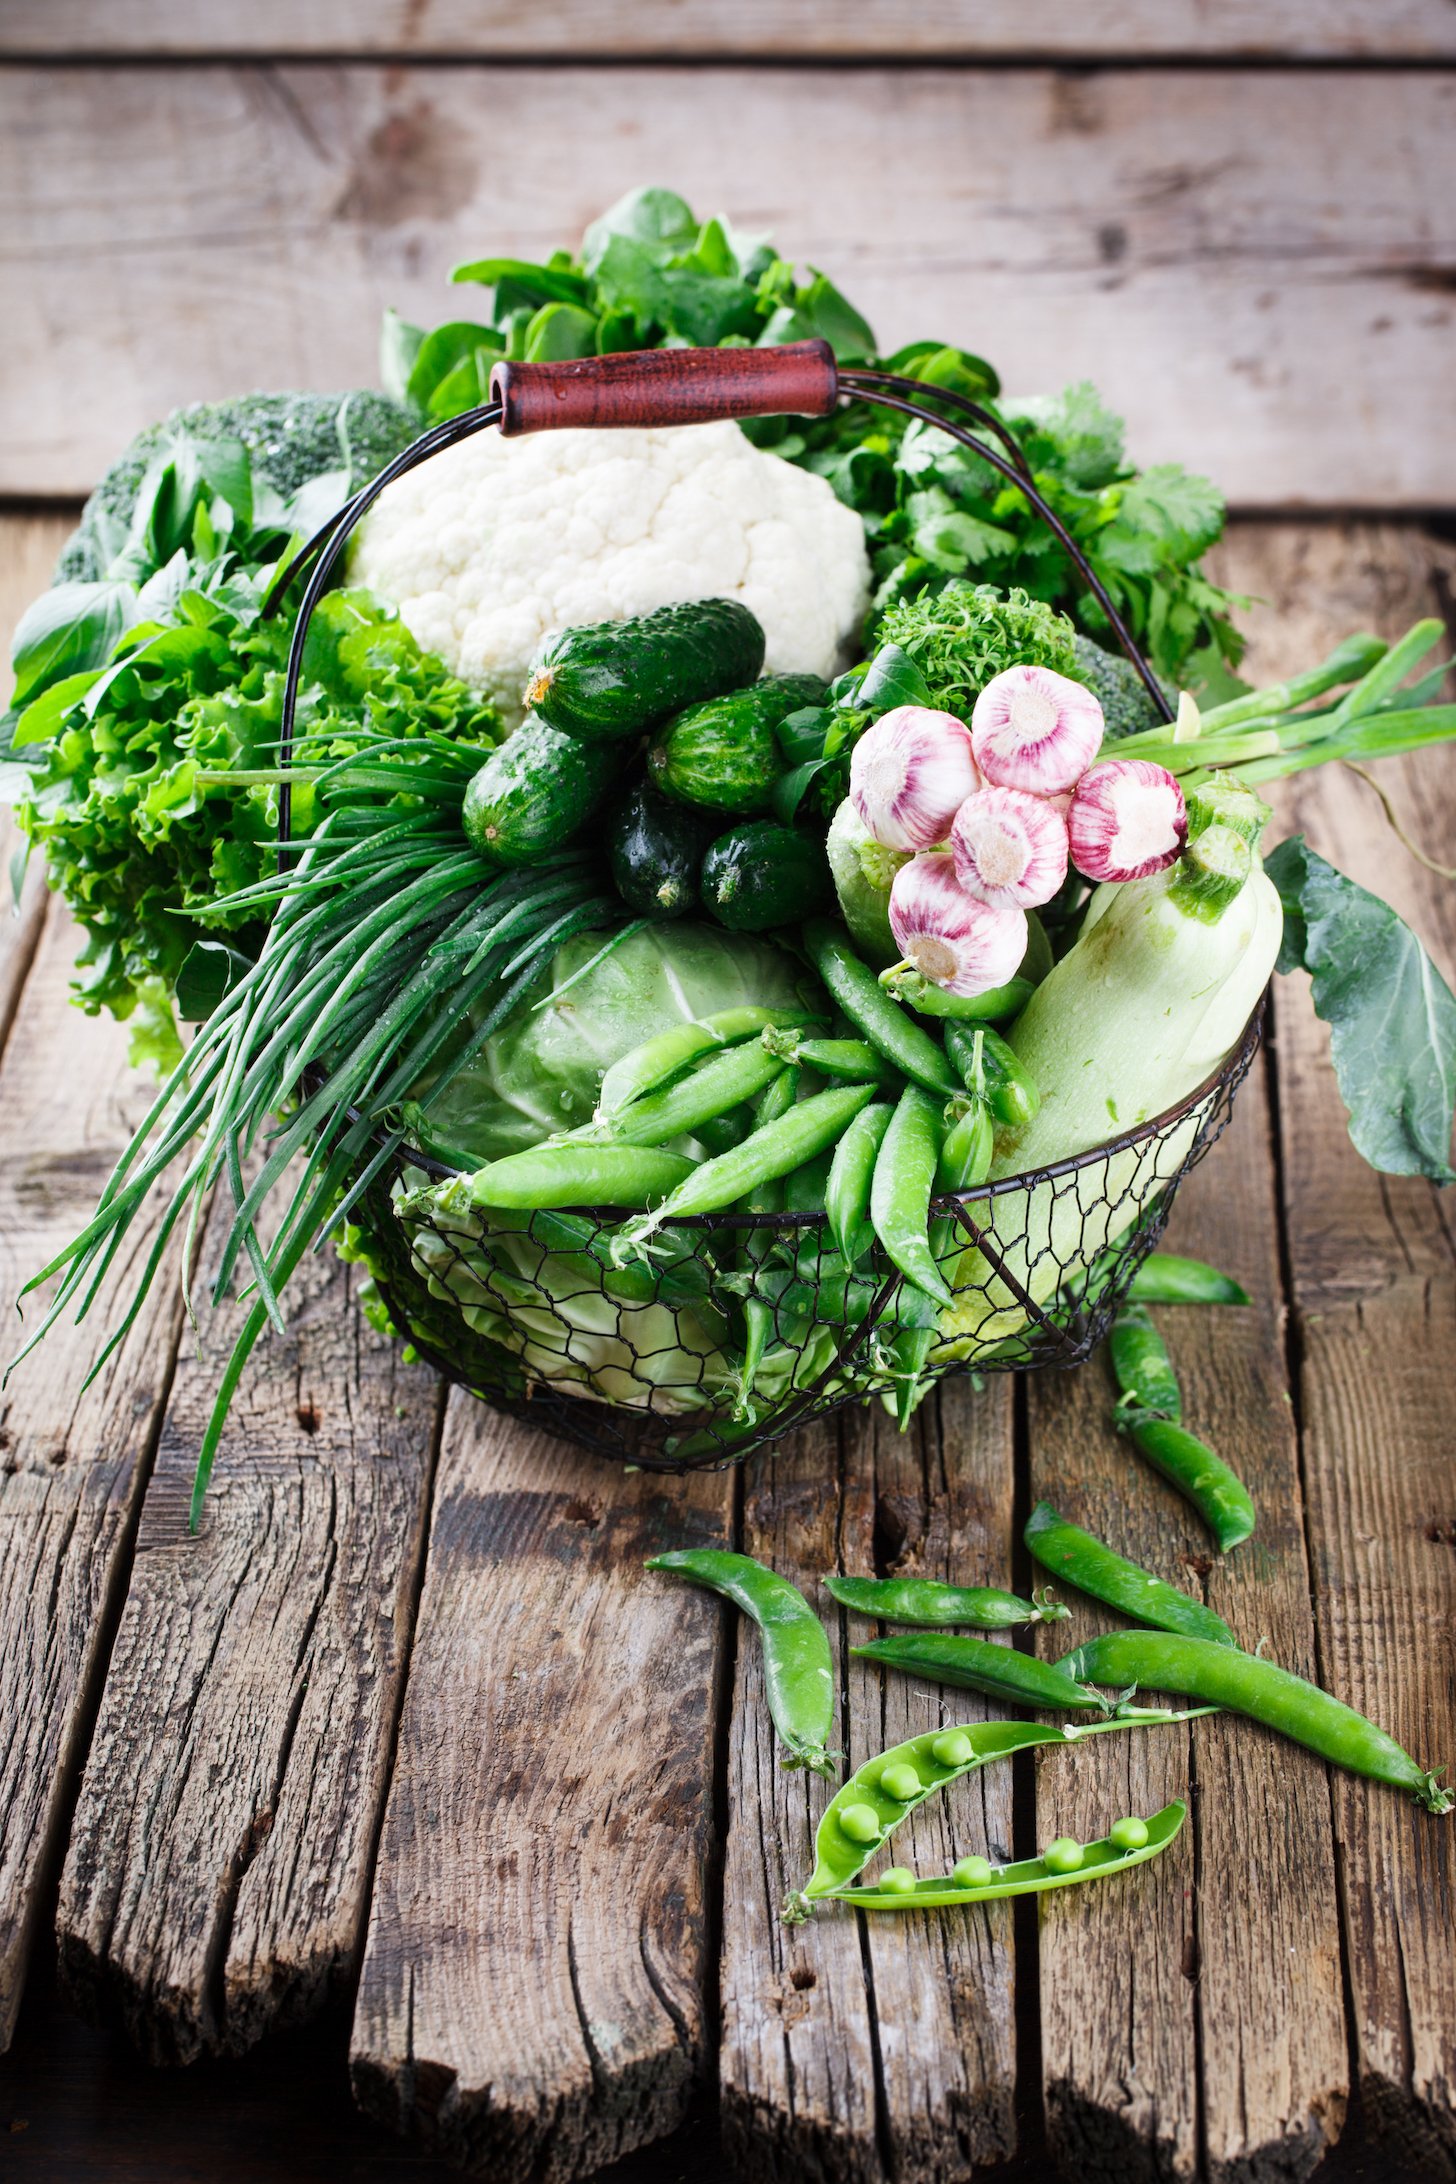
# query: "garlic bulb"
{"type": "Point", "coordinates": [955, 941]}
{"type": "Point", "coordinates": [1009, 849]}
{"type": "Point", "coordinates": [1036, 730]}
{"type": "Point", "coordinates": [1127, 819]}
{"type": "Point", "coordinates": [910, 772]}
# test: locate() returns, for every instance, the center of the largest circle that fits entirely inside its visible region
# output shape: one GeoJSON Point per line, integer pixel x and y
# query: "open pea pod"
{"type": "Point", "coordinates": [1027, 1877]}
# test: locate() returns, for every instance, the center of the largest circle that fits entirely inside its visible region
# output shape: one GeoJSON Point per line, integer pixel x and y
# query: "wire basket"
{"type": "Point", "coordinates": [642, 1363]}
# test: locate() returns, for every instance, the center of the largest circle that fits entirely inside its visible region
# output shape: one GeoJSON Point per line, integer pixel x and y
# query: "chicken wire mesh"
{"type": "Point", "coordinates": [644, 1361]}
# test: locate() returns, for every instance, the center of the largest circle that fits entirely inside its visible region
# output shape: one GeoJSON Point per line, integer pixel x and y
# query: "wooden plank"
{"type": "Point", "coordinates": [1375, 1292]}
{"type": "Point", "coordinates": [72, 1462]}
{"type": "Point", "coordinates": [218, 1872]}
{"type": "Point", "coordinates": [1089, 30]}
{"type": "Point", "coordinates": [1192, 2020]}
{"type": "Point", "coordinates": [843, 2048]}
{"type": "Point", "coordinates": [532, 1993]}
{"type": "Point", "coordinates": [28, 548]}
{"type": "Point", "coordinates": [1246, 264]}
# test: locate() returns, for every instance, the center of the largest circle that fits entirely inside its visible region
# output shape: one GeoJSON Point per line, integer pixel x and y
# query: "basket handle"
{"type": "Point", "coordinates": [667, 387]}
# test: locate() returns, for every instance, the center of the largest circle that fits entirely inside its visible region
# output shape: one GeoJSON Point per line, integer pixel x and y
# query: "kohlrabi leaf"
{"type": "Point", "coordinates": [1392, 1017]}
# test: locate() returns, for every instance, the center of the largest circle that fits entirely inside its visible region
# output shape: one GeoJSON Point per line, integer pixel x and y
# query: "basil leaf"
{"type": "Point", "coordinates": [801, 735]}
{"type": "Point", "coordinates": [1392, 1017]}
{"type": "Point", "coordinates": [69, 630]}
{"type": "Point", "coordinates": [560, 331]}
{"type": "Point", "coordinates": [893, 679]}
{"type": "Point", "coordinates": [538, 283]}
{"type": "Point", "coordinates": [790, 789]}
{"type": "Point", "coordinates": [441, 352]}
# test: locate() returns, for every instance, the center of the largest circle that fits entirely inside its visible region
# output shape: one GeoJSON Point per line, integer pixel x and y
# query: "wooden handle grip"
{"type": "Point", "coordinates": [667, 387]}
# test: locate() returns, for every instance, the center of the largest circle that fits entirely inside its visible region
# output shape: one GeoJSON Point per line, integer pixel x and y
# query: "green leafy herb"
{"type": "Point", "coordinates": [1392, 1016]}
{"type": "Point", "coordinates": [959, 638]}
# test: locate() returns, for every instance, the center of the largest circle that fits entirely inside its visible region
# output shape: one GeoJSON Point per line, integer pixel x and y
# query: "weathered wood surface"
{"type": "Point", "coordinates": [1374, 1292]}
{"type": "Point", "coordinates": [1251, 260]}
{"type": "Point", "coordinates": [532, 1997]}
{"type": "Point", "coordinates": [220, 1855]}
{"type": "Point", "coordinates": [962, 29]}
{"type": "Point", "coordinates": [1180, 2036]}
{"type": "Point", "coordinates": [844, 2049]}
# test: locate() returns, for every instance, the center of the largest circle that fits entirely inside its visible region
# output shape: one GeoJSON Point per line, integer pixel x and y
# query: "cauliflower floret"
{"type": "Point", "coordinates": [493, 545]}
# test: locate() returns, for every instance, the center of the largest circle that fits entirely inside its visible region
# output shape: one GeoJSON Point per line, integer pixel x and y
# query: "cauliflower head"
{"type": "Point", "coordinates": [493, 545]}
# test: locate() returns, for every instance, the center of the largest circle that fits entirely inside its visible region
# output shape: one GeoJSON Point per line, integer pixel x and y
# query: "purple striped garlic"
{"type": "Point", "coordinates": [910, 772]}
{"type": "Point", "coordinates": [955, 941]}
{"type": "Point", "coordinates": [1036, 730]}
{"type": "Point", "coordinates": [1126, 820]}
{"type": "Point", "coordinates": [1009, 849]}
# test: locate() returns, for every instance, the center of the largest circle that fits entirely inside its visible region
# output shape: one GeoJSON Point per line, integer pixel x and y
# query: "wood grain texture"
{"type": "Point", "coordinates": [28, 548]}
{"type": "Point", "coordinates": [968, 29]}
{"type": "Point", "coordinates": [532, 1998]}
{"type": "Point", "coordinates": [216, 1883]}
{"type": "Point", "coordinates": [1375, 1293]}
{"type": "Point", "coordinates": [72, 1461]}
{"type": "Point", "coordinates": [1181, 2036]}
{"type": "Point", "coordinates": [1248, 265]}
{"type": "Point", "coordinates": [843, 2047]}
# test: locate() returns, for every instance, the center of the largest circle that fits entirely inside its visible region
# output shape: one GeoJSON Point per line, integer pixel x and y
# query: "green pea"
{"type": "Point", "coordinates": [1063, 1855]}
{"type": "Point", "coordinates": [1130, 1834]}
{"type": "Point", "coordinates": [897, 1880]}
{"type": "Point", "coordinates": [972, 1873]}
{"type": "Point", "coordinates": [902, 1783]}
{"type": "Point", "coordinates": [861, 1823]}
{"type": "Point", "coordinates": [952, 1748]}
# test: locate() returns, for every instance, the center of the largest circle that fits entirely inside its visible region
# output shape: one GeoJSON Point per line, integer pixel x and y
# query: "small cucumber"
{"type": "Point", "coordinates": [724, 754]}
{"type": "Point", "coordinates": [656, 850]}
{"type": "Point", "coordinates": [614, 679]}
{"type": "Point", "coordinates": [760, 875]}
{"type": "Point", "coordinates": [533, 792]}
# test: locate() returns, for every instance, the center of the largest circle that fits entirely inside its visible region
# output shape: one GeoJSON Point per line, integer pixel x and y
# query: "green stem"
{"type": "Point", "coordinates": [1354, 656]}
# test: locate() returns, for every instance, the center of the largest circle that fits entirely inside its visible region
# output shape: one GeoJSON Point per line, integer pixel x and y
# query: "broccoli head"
{"type": "Point", "coordinates": [290, 437]}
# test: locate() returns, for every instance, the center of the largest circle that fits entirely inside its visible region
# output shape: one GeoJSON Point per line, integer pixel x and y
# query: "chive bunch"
{"type": "Point", "coordinates": [392, 949]}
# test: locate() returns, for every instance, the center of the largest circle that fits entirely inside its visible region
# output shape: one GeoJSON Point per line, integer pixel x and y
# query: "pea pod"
{"type": "Point", "coordinates": [854, 1059]}
{"type": "Point", "coordinates": [758, 1311]}
{"type": "Point", "coordinates": [798, 1670]}
{"type": "Point", "coordinates": [989, 1068]}
{"type": "Point", "coordinates": [1164, 1278]}
{"type": "Point", "coordinates": [1247, 1684]}
{"type": "Point", "coordinates": [975, 1664]}
{"type": "Point", "coordinates": [775, 1150]}
{"type": "Point", "coordinates": [570, 1173]}
{"type": "Point", "coordinates": [725, 1080]}
{"type": "Point", "coordinates": [965, 1160]}
{"type": "Point", "coordinates": [668, 1053]}
{"type": "Point", "coordinates": [929, 1606]}
{"type": "Point", "coordinates": [856, 990]}
{"type": "Point", "coordinates": [903, 1180]}
{"type": "Point", "coordinates": [1075, 1556]}
{"type": "Point", "coordinates": [1142, 1367]}
{"type": "Point", "coordinates": [918, 992]}
{"type": "Point", "coordinates": [1061, 1865]}
{"type": "Point", "coordinates": [847, 1195]}
{"type": "Point", "coordinates": [1215, 1490]}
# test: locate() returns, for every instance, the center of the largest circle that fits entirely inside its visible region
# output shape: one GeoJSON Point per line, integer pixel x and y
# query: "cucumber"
{"type": "Point", "coordinates": [614, 679]}
{"type": "Point", "coordinates": [533, 792]}
{"type": "Point", "coordinates": [724, 754]}
{"type": "Point", "coordinates": [760, 875]}
{"type": "Point", "coordinates": [656, 850]}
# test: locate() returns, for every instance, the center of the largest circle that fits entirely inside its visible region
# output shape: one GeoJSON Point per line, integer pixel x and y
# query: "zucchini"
{"type": "Point", "coordinates": [656, 850]}
{"type": "Point", "coordinates": [760, 875]}
{"type": "Point", "coordinates": [614, 679]}
{"type": "Point", "coordinates": [724, 754]}
{"type": "Point", "coordinates": [533, 792]}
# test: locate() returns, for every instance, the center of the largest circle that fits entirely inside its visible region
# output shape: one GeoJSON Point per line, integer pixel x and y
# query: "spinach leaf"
{"type": "Point", "coordinates": [69, 630]}
{"type": "Point", "coordinates": [1392, 1017]}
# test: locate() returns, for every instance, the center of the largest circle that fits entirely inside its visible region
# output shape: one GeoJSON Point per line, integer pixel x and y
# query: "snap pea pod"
{"type": "Point", "coordinates": [758, 1313]}
{"type": "Point", "coordinates": [975, 1664]}
{"type": "Point", "coordinates": [854, 1059]}
{"type": "Point", "coordinates": [798, 1671]}
{"type": "Point", "coordinates": [847, 1194]}
{"type": "Point", "coordinates": [1203, 1478]}
{"type": "Point", "coordinates": [1062, 1864]}
{"type": "Point", "coordinates": [900, 1189]}
{"type": "Point", "coordinates": [649, 1067]}
{"type": "Point", "coordinates": [804, 1190]}
{"type": "Point", "coordinates": [1142, 1367]}
{"type": "Point", "coordinates": [1072, 1554]}
{"type": "Point", "coordinates": [965, 1160]}
{"type": "Point", "coordinates": [725, 1080]}
{"type": "Point", "coordinates": [989, 1068]}
{"type": "Point", "coordinates": [775, 1150]}
{"type": "Point", "coordinates": [1247, 1684]}
{"type": "Point", "coordinates": [856, 990]}
{"type": "Point", "coordinates": [576, 1172]}
{"type": "Point", "coordinates": [918, 992]}
{"type": "Point", "coordinates": [930, 1606]}
{"type": "Point", "coordinates": [1164, 1278]}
